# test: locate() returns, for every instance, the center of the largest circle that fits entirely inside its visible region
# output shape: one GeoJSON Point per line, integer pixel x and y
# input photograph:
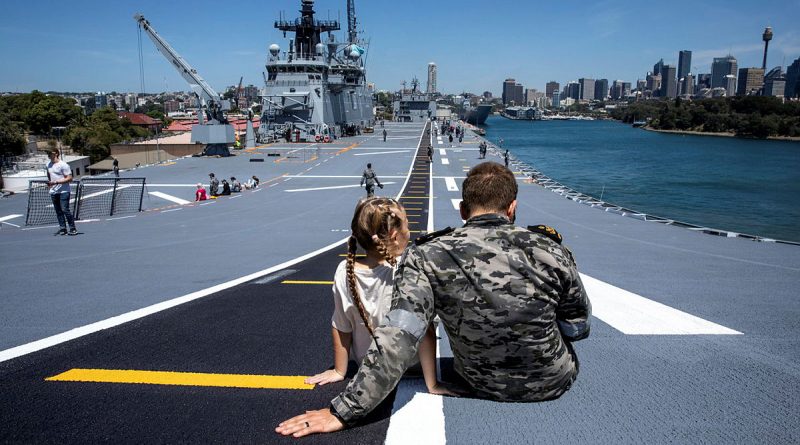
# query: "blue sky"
{"type": "Point", "coordinates": [87, 45]}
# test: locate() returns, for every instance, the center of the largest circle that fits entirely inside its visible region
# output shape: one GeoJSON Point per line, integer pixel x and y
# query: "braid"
{"type": "Point", "coordinates": [381, 247]}
{"type": "Point", "coordinates": [351, 283]}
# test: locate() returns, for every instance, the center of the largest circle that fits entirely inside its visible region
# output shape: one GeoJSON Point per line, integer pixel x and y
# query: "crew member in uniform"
{"type": "Point", "coordinates": [370, 178]}
{"type": "Point", "coordinates": [510, 299]}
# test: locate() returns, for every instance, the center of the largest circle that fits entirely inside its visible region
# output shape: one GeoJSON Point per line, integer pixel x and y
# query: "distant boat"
{"type": "Point", "coordinates": [476, 115]}
{"type": "Point", "coordinates": [637, 124]}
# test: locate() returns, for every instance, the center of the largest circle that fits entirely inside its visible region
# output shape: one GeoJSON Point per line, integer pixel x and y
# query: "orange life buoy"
{"type": "Point", "coordinates": [327, 138]}
{"type": "Point", "coordinates": [317, 138]}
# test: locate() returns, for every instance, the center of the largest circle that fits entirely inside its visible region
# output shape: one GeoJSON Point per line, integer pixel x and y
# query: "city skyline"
{"type": "Point", "coordinates": [473, 47]}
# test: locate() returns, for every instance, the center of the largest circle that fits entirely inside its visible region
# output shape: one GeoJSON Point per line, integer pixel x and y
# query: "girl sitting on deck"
{"type": "Point", "coordinates": [362, 289]}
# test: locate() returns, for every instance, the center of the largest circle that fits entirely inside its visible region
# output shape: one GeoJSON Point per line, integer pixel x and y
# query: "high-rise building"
{"type": "Point", "coordinates": [531, 96]}
{"type": "Point", "coordinates": [684, 63]}
{"type": "Point", "coordinates": [720, 69]}
{"type": "Point", "coordinates": [513, 93]}
{"type": "Point", "coordinates": [669, 83]}
{"type": "Point", "coordinates": [626, 89]}
{"type": "Point", "coordinates": [551, 87]}
{"type": "Point", "coordinates": [751, 80]}
{"type": "Point", "coordinates": [586, 89]}
{"type": "Point", "coordinates": [687, 85]}
{"type": "Point", "coordinates": [487, 94]}
{"type": "Point", "coordinates": [774, 83]}
{"type": "Point", "coordinates": [654, 83]}
{"type": "Point", "coordinates": [556, 99]}
{"type": "Point", "coordinates": [703, 81]}
{"type": "Point", "coordinates": [617, 90]}
{"type": "Point", "coordinates": [508, 90]}
{"type": "Point", "coordinates": [600, 89]}
{"type": "Point", "coordinates": [793, 79]}
{"type": "Point", "coordinates": [572, 90]}
{"type": "Point", "coordinates": [658, 67]}
{"type": "Point", "coordinates": [730, 85]}
{"type": "Point", "coordinates": [431, 87]}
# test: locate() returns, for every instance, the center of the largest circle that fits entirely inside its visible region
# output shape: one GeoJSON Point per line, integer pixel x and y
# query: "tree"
{"type": "Point", "coordinates": [12, 141]}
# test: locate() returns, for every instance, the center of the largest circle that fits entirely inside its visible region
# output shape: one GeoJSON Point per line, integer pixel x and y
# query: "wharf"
{"type": "Point", "coordinates": [694, 337]}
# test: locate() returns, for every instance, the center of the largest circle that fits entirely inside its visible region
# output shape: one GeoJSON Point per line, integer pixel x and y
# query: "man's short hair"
{"type": "Point", "coordinates": [489, 186]}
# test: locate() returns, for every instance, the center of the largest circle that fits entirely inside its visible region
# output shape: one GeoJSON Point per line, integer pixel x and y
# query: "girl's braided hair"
{"type": "Point", "coordinates": [373, 220]}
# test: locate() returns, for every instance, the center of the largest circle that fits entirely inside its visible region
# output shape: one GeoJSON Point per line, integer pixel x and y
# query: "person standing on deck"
{"type": "Point", "coordinates": [370, 179]}
{"type": "Point", "coordinates": [59, 175]}
{"type": "Point", "coordinates": [506, 157]}
{"type": "Point", "coordinates": [115, 165]}
{"type": "Point", "coordinates": [384, 135]}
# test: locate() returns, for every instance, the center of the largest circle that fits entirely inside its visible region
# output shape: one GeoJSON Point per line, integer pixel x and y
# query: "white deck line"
{"type": "Point", "coordinates": [72, 334]}
{"type": "Point", "coordinates": [442, 152]}
{"type": "Point", "coordinates": [445, 161]}
{"type": "Point", "coordinates": [171, 198]}
{"type": "Point", "coordinates": [451, 184]}
{"type": "Point", "coordinates": [380, 153]}
{"type": "Point", "coordinates": [332, 187]}
{"type": "Point", "coordinates": [634, 314]}
{"type": "Point", "coordinates": [9, 217]}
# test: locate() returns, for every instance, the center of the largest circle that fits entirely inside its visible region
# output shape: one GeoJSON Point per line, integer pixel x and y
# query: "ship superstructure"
{"type": "Point", "coordinates": [316, 90]}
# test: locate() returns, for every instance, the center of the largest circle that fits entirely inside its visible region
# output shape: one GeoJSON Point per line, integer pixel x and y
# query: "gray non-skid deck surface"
{"type": "Point", "coordinates": [632, 389]}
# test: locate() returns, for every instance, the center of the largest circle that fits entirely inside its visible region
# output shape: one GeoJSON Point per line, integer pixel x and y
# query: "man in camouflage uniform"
{"type": "Point", "coordinates": [510, 300]}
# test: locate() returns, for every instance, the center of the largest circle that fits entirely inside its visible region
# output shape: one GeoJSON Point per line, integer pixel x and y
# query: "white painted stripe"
{"type": "Point", "coordinates": [451, 184]}
{"type": "Point", "coordinates": [456, 203]}
{"type": "Point", "coordinates": [9, 217]}
{"type": "Point", "coordinates": [119, 217]}
{"type": "Point", "coordinates": [339, 176]}
{"type": "Point", "coordinates": [417, 416]}
{"type": "Point", "coordinates": [445, 161]}
{"type": "Point", "coordinates": [171, 210]}
{"type": "Point", "coordinates": [332, 187]}
{"type": "Point", "coordinates": [10, 224]}
{"type": "Point", "coordinates": [381, 153]}
{"type": "Point", "coordinates": [92, 195]}
{"type": "Point", "coordinates": [634, 314]}
{"type": "Point", "coordinates": [439, 142]}
{"type": "Point", "coordinates": [442, 152]}
{"type": "Point", "coordinates": [169, 197]}
{"type": "Point", "coordinates": [72, 334]}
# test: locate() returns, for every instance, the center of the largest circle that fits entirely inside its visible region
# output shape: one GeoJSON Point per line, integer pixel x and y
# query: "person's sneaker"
{"type": "Point", "coordinates": [73, 231]}
{"type": "Point", "coordinates": [61, 232]}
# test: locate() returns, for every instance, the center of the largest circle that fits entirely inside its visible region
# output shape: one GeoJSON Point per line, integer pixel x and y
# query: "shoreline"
{"type": "Point", "coordinates": [724, 135]}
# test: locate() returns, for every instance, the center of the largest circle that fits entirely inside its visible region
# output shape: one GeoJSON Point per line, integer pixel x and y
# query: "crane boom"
{"type": "Point", "coordinates": [207, 95]}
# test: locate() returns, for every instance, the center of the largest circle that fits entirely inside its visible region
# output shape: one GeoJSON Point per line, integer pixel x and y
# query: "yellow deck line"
{"type": "Point", "coordinates": [305, 282]}
{"type": "Point", "coordinates": [182, 378]}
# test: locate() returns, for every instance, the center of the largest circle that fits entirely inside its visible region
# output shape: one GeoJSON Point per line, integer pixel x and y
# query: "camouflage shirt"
{"type": "Point", "coordinates": [508, 299]}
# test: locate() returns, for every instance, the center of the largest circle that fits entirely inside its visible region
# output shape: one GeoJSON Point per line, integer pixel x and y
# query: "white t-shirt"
{"type": "Point", "coordinates": [57, 172]}
{"type": "Point", "coordinates": [375, 289]}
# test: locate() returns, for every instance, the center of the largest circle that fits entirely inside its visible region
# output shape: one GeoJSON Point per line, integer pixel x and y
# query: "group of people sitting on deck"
{"type": "Point", "coordinates": [234, 186]}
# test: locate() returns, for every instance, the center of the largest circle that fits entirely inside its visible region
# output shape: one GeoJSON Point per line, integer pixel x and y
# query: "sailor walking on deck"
{"type": "Point", "coordinates": [384, 135]}
{"type": "Point", "coordinates": [370, 179]}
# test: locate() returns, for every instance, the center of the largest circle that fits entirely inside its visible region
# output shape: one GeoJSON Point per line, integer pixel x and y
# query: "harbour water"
{"type": "Point", "coordinates": [746, 186]}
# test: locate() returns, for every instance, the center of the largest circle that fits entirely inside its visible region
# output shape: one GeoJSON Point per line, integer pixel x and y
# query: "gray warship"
{"type": "Point", "coordinates": [315, 91]}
